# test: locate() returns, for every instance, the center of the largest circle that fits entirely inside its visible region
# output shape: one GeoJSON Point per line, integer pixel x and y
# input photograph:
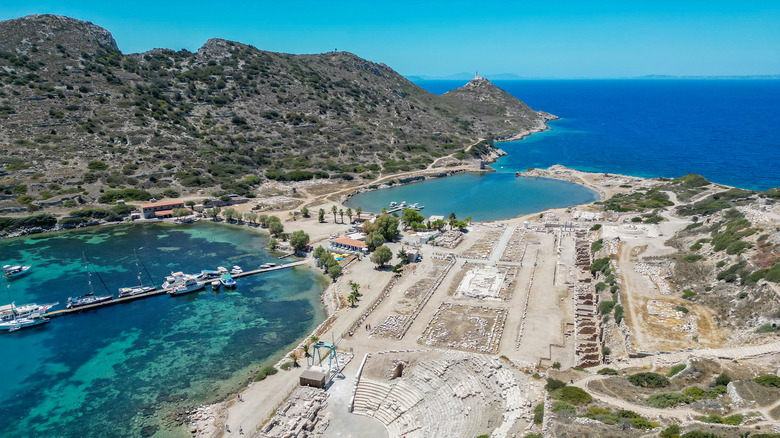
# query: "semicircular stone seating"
{"type": "Point", "coordinates": [456, 395]}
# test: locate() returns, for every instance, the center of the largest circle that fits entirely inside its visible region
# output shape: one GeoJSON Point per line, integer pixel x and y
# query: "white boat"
{"type": "Point", "coordinates": [177, 279]}
{"type": "Point", "coordinates": [222, 270]}
{"type": "Point", "coordinates": [215, 284]}
{"type": "Point", "coordinates": [236, 270]}
{"type": "Point", "coordinates": [15, 271]}
{"type": "Point", "coordinates": [189, 286]}
{"type": "Point", "coordinates": [11, 311]}
{"type": "Point", "coordinates": [135, 290]}
{"type": "Point", "coordinates": [20, 323]}
{"type": "Point", "coordinates": [227, 281]}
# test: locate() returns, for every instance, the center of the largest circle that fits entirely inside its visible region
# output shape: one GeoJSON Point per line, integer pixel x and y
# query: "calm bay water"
{"type": "Point", "coordinates": [116, 370]}
{"type": "Point", "coordinates": [725, 130]}
{"type": "Point", "coordinates": [484, 197]}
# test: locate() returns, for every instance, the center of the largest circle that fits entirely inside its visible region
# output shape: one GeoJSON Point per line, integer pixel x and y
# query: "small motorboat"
{"type": "Point", "coordinates": [15, 271]}
{"type": "Point", "coordinates": [227, 281]}
{"type": "Point", "coordinates": [215, 284]}
{"type": "Point", "coordinates": [236, 270]}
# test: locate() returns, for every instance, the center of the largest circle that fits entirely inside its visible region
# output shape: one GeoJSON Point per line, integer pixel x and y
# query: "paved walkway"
{"type": "Point", "coordinates": [503, 241]}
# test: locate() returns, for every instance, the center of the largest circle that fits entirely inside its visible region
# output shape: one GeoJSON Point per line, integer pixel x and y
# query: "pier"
{"type": "Point", "coordinates": [157, 292]}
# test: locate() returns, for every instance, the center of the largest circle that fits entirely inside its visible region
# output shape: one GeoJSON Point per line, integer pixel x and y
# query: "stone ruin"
{"type": "Point", "coordinates": [588, 333]}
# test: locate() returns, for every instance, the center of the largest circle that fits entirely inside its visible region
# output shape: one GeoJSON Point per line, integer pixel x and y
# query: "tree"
{"type": "Point", "coordinates": [381, 256]}
{"type": "Point", "coordinates": [263, 220]}
{"type": "Point", "coordinates": [402, 255]}
{"type": "Point", "coordinates": [305, 212]}
{"type": "Point", "coordinates": [374, 240]}
{"type": "Point", "coordinates": [318, 252]}
{"type": "Point", "coordinates": [180, 212]}
{"type": "Point", "coordinates": [349, 214]}
{"type": "Point", "coordinates": [358, 211]}
{"type": "Point", "coordinates": [251, 217]}
{"type": "Point", "coordinates": [460, 224]}
{"type": "Point", "coordinates": [355, 287]}
{"type": "Point", "coordinates": [333, 210]}
{"type": "Point", "coordinates": [411, 216]}
{"type": "Point", "coordinates": [341, 213]}
{"type": "Point", "coordinates": [305, 349]}
{"type": "Point", "coordinates": [385, 225]}
{"type": "Point", "coordinates": [334, 271]}
{"type": "Point", "coordinates": [452, 219]}
{"type": "Point", "coordinates": [229, 213]}
{"type": "Point", "coordinates": [294, 358]}
{"type": "Point", "coordinates": [299, 240]}
{"type": "Point", "coordinates": [275, 226]}
{"type": "Point", "coordinates": [438, 224]}
{"type": "Point", "coordinates": [272, 244]}
{"type": "Point", "coordinates": [351, 299]}
{"type": "Point", "coordinates": [214, 212]}
{"type": "Point", "coordinates": [190, 204]}
{"type": "Point", "coordinates": [321, 215]}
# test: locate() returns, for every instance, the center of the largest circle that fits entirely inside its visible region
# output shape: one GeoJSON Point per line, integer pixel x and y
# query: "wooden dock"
{"type": "Point", "coordinates": [157, 292]}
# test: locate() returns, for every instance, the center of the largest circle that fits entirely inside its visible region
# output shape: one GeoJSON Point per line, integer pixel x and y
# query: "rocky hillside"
{"type": "Point", "coordinates": [78, 116]}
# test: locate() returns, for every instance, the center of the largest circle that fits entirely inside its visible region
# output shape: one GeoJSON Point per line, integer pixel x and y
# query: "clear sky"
{"type": "Point", "coordinates": [549, 38]}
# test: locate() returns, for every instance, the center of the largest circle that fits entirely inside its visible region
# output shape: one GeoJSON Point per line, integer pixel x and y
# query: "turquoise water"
{"type": "Point", "coordinates": [484, 197]}
{"type": "Point", "coordinates": [128, 369]}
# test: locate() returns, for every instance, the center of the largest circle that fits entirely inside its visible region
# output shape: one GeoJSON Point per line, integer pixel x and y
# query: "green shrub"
{"type": "Point", "coordinates": [695, 393]}
{"type": "Point", "coordinates": [688, 294]}
{"type": "Point", "coordinates": [667, 400]}
{"type": "Point", "coordinates": [722, 380]}
{"type": "Point", "coordinates": [768, 380]}
{"type": "Point", "coordinates": [690, 258]}
{"type": "Point", "coordinates": [767, 328]}
{"type": "Point", "coordinates": [553, 384]}
{"type": "Point", "coordinates": [286, 366]}
{"type": "Point", "coordinates": [597, 245]}
{"type": "Point", "coordinates": [111, 196]}
{"type": "Point", "coordinates": [533, 435]}
{"type": "Point", "coordinates": [97, 165]}
{"type": "Point", "coordinates": [599, 265]}
{"type": "Point", "coordinates": [266, 371]}
{"type": "Point", "coordinates": [648, 380]}
{"type": "Point", "coordinates": [675, 369]}
{"type": "Point", "coordinates": [672, 431]}
{"type": "Point", "coordinates": [42, 220]}
{"type": "Point", "coordinates": [618, 313]}
{"type": "Point", "coordinates": [562, 406]}
{"type": "Point", "coordinates": [607, 372]}
{"type": "Point", "coordinates": [682, 309]}
{"type": "Point", "coordinates": [637, 420]}
{"type": "Point", "coordinates": [572, 395]}
{"type": "Point", "coordinates": [600, 286]}
{"type": "Point", "coordinates": [539, 414]}
{"type": "Point", "coordinates": [595, 227]}
{"type": "Point", "coordinates": [170, 193]}
{"type": "Point", "coordinates": [699, 434]}
{"type": "Point", "coordinates": [606, 307]}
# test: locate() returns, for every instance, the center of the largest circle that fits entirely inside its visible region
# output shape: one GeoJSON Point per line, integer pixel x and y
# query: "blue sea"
{"type": "Point", "coordinates": [131, 368]}
{"type": "Point", "coordinates": [726, 130]}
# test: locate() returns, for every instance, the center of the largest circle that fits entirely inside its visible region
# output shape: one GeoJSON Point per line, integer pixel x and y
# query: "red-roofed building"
{"type": "Point", "coordinates": [160, 209]}
{"type": "Point", "coordinates": [345, 243]}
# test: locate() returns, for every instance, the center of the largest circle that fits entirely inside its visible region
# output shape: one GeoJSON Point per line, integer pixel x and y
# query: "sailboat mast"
{"type": "Point", "coordinates": [142, 264]}
{"type": "Point", "coordinates": [96, 273]}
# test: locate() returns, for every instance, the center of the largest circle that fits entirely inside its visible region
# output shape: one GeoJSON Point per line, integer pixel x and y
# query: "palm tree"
{"type": "Point", "coordinates": [305, 349]}
{"type": "Point", "coordinates": [452, 219]}
{"type": "Point", "coordinates": [333, 210]}
{"type": "Point", "coordinates": [341, 213]}
{"type": "Point", "coordinates": [358, 211]}
{"type": "Point", "coordinates": [294, 358]}
{"type": "Point", "coordinates": [321, 215]}
{"type": "Point", "coordinates": [349, 215]}
{"type": "Point", "coordinates": [314, 339]}
{"type": "Point", "coordinates": [355, 287]}
{"type": "Point", "coordinates": [351, 300]}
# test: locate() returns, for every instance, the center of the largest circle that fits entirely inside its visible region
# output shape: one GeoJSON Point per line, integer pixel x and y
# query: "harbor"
{"type": "Point", "coordinates": [161, 291]}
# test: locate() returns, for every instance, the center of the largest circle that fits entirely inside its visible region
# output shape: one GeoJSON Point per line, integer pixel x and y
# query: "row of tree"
{"type": "Point", "coordinates": [334, 210]}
